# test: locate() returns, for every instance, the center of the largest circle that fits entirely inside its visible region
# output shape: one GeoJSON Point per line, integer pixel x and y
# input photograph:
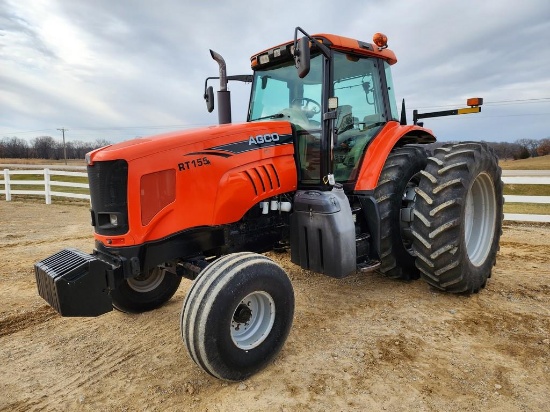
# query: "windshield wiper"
{"type": "Point", "coordinates": [271, 116]}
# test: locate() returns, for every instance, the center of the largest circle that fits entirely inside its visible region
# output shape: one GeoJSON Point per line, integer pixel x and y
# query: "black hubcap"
{"type": "Point", "coordinates": [242, 314]}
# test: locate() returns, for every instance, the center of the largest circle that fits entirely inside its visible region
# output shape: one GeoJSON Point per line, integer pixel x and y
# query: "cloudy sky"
{"type": "Point", "coordinates": [114, 70]}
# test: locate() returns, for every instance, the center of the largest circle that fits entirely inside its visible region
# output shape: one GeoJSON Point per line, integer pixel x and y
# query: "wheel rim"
{"type": "Point", "coordinates": [147, 282]}
{"type": "Point", "coordinates": [252, 320]}
{"type": "Point", "coordinates": [406, 212]}
{"type": "Point", "coordinates": [480, 219]}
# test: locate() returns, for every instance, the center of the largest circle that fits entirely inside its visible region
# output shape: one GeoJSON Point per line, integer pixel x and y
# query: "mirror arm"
{"type": "Point", "coordinates": [324, 49]}
{"type": "Point", "coordinates": [206, 84]}
{"type": "Point", "coordinates": [245, 78]}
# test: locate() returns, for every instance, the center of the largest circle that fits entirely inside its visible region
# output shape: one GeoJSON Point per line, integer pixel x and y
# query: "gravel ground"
{"type": "Point", "coordinates": [360, 343]}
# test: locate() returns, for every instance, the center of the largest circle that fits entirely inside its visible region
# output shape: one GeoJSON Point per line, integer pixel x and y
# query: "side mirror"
{"type": "Point", "coordinates": [209, 97]}
{"type": "Point", "coordinates": [302, 57]}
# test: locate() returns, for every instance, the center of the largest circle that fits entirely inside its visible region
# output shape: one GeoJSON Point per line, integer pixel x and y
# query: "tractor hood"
{"type": "Point", "coordinates": [229, 137]}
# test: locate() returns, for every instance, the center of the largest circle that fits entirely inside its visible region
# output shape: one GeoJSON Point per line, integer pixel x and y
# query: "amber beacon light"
{"type": "Point", "coordinates": [381, 40]}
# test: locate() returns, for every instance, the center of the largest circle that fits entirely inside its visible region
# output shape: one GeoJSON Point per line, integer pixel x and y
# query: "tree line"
{"type": "Point", "coordinates": [522, 148]}
{"type": "Point", "coordinates": [46, 147]}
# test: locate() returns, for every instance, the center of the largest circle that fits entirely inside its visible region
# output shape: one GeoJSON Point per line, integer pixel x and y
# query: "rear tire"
{"type": "Point", "coordinates": [146, 292]}
{"type": "Point", "coordinates": [458, 217]}
{"type": "Point", "coordinates": [237, 315]}
{"type": "Point", "coordinates": [395, 195]}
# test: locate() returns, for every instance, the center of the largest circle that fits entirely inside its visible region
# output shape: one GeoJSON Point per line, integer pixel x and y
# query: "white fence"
{"type": "Point", "coordinates": [48, 183]}
{"type": "Point", "coordinates": [526, 180]}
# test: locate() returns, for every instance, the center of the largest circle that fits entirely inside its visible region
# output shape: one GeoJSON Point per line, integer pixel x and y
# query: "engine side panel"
{"type": "Point", "coordinates": [218, 177]}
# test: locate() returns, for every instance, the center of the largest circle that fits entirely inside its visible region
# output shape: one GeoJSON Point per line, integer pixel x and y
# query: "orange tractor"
{"type": "Point", "coordinates": [324, 166]}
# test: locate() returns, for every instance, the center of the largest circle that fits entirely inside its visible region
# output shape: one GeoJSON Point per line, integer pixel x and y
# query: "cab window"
{"type": "Point", "coordinates": [360, 113]}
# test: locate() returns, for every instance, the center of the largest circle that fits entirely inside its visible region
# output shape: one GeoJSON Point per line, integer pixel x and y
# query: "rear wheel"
{"type": "Point", "coordinates": [237, 315]}
{"type": "Point", "coordinates": [458, 217]}
{"type": "Point", "coordinates": [396, 196]}
{"type": "Point", "coordinates": [148, 291]}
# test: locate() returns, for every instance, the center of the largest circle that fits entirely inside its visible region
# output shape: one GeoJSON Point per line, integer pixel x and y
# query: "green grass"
{"type": "Point", "coordinates": [527, 190]}
{"type": "Point", "coordinates": [527, 208]}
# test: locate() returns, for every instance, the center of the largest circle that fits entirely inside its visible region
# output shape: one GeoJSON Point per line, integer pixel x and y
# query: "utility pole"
{"type": "Point", "coordinates": [63, 130]}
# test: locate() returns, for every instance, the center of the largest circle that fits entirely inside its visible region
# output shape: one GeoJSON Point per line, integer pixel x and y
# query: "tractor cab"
{"type": "Point", "coordinates": [336, 107]}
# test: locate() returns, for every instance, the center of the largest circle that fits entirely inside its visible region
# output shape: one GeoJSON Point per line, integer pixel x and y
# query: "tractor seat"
{"type": "Point", "coordinates": [344, 118]}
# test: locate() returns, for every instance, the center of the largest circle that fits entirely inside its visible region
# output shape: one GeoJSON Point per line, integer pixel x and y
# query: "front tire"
{"type": "Point", "coordinates": [146, 292]}
{"type": "Point", "coordinates": [458, 217]}
{"type": "Point", "coordinates": [237, 315]}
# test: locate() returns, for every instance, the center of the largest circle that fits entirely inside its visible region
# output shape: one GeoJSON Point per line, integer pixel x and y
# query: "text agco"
{"type": "Point", "coordinates": [263, 138]}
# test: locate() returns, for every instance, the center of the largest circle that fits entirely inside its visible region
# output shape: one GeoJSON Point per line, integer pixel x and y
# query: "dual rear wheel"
{"type": "Point", "coordinates": [441, 215]}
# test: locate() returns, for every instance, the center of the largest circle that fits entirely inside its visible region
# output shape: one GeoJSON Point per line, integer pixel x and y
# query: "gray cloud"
{"type": "Point", "coordinates": [116, 70]}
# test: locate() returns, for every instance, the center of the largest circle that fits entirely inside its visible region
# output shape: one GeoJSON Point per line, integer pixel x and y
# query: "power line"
{"type": "Point", "coordinates": [86, 130]}
{"type": "Point", "coordinates": [539, 100]}
{"type": "Point", "coordinates": [29, 131]}
{"type": "Point", "coordinates": [498, 102]}
{"type": "Point", "coordinates": [172, 126]}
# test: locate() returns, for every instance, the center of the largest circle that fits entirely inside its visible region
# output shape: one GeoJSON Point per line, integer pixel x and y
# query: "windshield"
{"type": "Point", "coordinates": [279, 94]}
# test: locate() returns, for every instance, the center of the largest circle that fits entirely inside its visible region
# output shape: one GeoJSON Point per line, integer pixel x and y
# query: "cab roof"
{"type": "Point", "coordinates": [332, 41]}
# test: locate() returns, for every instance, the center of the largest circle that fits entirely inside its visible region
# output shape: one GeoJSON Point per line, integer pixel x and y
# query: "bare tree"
{"type": "Point", "coordinates": [101, 143]}
{"type": "Point", "coordinates": [544, 147]}
{"type": "Point", "coordinates": [81, 148]}
{"type": "Point", "coordinates": [45, 147]}
{"type": "Point", "coordinates": [530, 144]}
{"type": "Point", "coordinates": [14, 148]}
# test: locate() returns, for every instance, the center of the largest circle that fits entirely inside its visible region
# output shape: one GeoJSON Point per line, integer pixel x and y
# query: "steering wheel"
{"type": "Point", "coordinates": [310, 111]}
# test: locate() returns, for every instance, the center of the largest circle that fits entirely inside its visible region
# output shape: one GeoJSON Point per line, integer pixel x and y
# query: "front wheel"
{"type": "Point", "coordinates": [148, 291]}
{"type": "Point", "coordinates": [237, 315]}
{"type": "Point", "coordinates": [458, 217]}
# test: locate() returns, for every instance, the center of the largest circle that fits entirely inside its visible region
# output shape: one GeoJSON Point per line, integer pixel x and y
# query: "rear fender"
{"type": "Point", "coordinates": [393, 134]}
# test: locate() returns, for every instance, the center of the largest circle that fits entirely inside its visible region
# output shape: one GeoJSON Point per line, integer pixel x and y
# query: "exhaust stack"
{"type": "Point", "coordinates": [224, 95]}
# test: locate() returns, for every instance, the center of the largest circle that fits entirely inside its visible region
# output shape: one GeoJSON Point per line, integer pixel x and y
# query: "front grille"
{"type": "Point", "coordinates": [109, 196]}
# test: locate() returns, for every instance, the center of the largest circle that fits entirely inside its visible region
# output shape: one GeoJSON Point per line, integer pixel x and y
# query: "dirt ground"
{"type": "Point", "coordinates": [362, 343]}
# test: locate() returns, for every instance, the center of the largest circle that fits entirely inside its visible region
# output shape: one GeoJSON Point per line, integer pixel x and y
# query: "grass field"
{"type": "Point", "coordinates": [527, 208]}
{"type": "Point", "coordinates": [535, 163]}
